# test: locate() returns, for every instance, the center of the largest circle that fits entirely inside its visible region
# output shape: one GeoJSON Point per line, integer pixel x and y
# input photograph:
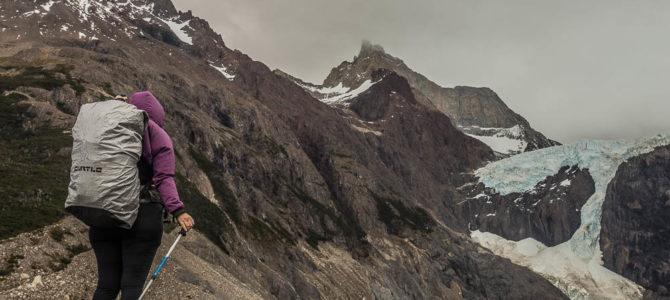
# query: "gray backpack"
{"type": "Point", "coordinates": [107, 144]}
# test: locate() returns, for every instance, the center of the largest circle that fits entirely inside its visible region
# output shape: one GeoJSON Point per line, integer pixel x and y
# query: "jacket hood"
{"type": "Point", "coordinates": [147, 102]}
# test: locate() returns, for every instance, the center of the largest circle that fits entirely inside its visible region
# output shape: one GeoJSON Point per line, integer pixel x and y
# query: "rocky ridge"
{"type": "Point", "coordinates": [478, 112]}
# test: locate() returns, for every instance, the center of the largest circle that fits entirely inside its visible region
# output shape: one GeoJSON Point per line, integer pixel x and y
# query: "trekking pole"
{"type": "Point", "coordinates": [160, 266]}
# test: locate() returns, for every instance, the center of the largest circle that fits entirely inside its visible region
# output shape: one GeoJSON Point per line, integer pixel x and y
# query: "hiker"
{"type": "Point", "coordinates": [124, 256]}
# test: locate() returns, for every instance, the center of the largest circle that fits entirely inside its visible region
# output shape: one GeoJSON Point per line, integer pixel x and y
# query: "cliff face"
{"type": "Point", "coordinates": [635, 234]}
{"type": "Point", "coordinates": [549, 213]}
{"type": "Point", "coordinates": [478, 112]}
{"type": "Point", "coordinates": [296, 199]}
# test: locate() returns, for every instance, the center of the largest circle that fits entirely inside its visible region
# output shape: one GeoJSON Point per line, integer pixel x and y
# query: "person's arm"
{"type": "Point", "coordinates": [164, 170]}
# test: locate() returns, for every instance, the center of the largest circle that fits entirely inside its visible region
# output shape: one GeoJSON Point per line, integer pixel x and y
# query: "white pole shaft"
{"type": "Point", "coordinates": [160, 266]}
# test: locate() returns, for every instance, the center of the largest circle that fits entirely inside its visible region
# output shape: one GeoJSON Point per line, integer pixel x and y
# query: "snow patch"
{"type": "Point", "coordinates": [178, 29]}
{"type": "Point", "coordinates": [327, 91]}
{"type": "Point", "coordinates": [351, 93]}
{"type": "Point", "coordinates": [480, 195]}
{"type": "Point", "coordinates": [501, 140]}
{"type": "Point", "coordinates": [502, 144]}
{"type": "Point", "coordinates": [47, 6]}
{"type": "Point", "coordinates": [223, 70]}
{"type": "Point", "coordinates": [565, 182]}
{"type": "Point", "coordinates": [578, 278]}
{"type": "Point", "coordinates": [366, 130]}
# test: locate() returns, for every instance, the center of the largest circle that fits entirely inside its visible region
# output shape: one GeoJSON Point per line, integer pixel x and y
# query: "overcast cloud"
{"type": "Point", "coordinates": [573, 69]}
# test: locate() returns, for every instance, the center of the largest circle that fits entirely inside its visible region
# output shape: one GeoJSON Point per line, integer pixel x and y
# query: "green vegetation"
{"type": "Point", "coordinates": [34, 178]}
{"type": "Point", "coordinates": [209, 219]}
{"type": "Point", "coordinates": [40, 77]}
{"type": "Point", "coordinates": [258, 229]}
{"type": "Point", "coordinates": [268, 234]}
{"type": "Point", "coordinates": [313, 238]}
{"type": "Point", "coordinates": [222, 193]}
{"type": "Point", "coordinates": [273, 148]}
{"type": "Point", "coordinates": [107, 87]}
{"type": "Point", "coordinates": [64, 108]}
{"type": "Point", "coordinates": [11, 264]}
{"type": "Point", "coordinates": [57, 233]}
{"type": "Point", "coordinates": [346, 224]}
{"type": "Point", "coordinates": [77, 249]}
{"type": "Point", "coordinates": [104, 60]}
{"type": "Point", "coordinates": [58, 263]}
{"type": "Point", "coordinates": [397, 216]}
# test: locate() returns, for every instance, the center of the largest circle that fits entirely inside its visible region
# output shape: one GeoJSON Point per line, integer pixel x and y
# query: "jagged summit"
{"type": "Point", "coordinates": [478, 112]}
{"type": "Point", "coordinates": [368, 48]}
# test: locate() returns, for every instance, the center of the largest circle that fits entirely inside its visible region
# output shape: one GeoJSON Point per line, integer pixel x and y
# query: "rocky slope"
{"type": "Point", "coordinates": [635, 234]}
{"type": "Point", "coordinates": [295, 199]}
{"type": "Point", "coordinates": [478, 112]}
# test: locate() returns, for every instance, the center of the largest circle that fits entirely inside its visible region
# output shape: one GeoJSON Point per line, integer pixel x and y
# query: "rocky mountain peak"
{"type": "Point", "coordinates": [164, 7]}
{"type": "Point", "coordinates": [368, 48]}
{"type": "Point", "coordinates": [476, 111]}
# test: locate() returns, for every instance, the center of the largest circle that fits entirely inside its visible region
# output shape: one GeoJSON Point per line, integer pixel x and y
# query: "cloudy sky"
{"type": "Point", "coordinates": [573, 69]}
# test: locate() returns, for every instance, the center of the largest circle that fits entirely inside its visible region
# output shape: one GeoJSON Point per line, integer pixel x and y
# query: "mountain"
{"type": "Point", "coordinates": [292, 198]}
{"type": "Point", "coordinates": [618, 248]}
{"type": "Point", "coordinates": [478, 112]}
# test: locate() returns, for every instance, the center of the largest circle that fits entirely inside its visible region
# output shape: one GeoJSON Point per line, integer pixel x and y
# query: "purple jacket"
{"type": "Point", "coordinates": [158, 150]}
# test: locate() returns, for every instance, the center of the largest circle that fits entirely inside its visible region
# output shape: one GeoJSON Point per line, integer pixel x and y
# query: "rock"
{"type": "Point", "coordinates": [37, 281]}
{"type": "Point", "coordinates": [24, 276]}
{"type": "Point", "coordinates": [635, 234]}
{"type": "Point", "coordinates": [550, 213]}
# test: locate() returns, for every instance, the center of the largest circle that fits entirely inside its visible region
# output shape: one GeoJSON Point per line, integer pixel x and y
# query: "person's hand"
{"type": "Point", "coordinates": [185, 221]}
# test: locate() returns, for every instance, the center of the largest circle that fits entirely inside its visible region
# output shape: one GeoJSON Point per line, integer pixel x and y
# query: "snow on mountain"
{"type": "Point", "coordinates": [94, 16]}
{"type": "Point", "coordinates": [47, 6]}
{"type": "Point", "coordinates": [178, 29]}
{"type": "Point", "coordinates": [351, 93]}
{"type": "Point", "coordinates": [576, 265]}
{"type": "Point", "coordinates": [505, 141]}
{"type": "Point", "coordinates": [338, 94]}
{"type": "Point", "coordinates": [223, 70]}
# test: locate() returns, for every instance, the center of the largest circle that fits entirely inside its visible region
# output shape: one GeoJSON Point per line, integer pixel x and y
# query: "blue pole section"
{"type": "Point", "coordinates": [160, 266]}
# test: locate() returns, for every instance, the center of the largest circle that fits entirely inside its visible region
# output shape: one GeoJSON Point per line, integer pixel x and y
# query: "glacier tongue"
{"type": "Point", "coordinates": [574, 266]}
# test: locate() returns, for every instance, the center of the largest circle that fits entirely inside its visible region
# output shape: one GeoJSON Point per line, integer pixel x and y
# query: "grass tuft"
{"type": "Point", "coordinates": [398, 217]}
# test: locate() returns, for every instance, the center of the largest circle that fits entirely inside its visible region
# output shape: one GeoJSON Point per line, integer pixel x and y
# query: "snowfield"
{"type": "Point", "coordinates": [575, 266]}
{"type": "Point", "coordinates": [502, 140]}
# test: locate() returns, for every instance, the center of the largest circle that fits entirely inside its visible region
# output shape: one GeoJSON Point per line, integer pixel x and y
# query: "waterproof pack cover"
{"type": "Point", "coordinates": [107, 144]}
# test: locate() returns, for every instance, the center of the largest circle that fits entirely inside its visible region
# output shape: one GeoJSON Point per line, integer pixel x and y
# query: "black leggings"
{"type": "Point", "coordinates": [125, 256]}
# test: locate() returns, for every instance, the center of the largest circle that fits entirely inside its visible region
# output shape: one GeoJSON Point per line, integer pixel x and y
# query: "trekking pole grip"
{"type": "Point", "coordinates": [182, 232]}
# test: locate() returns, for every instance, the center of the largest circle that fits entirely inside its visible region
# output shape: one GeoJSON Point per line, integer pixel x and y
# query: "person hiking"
{"type": "Point", "coordinates": [124, 256]}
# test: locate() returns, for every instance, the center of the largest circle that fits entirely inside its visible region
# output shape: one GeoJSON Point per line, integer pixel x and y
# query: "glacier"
{"type": "Point", "coordinates": [574, 266]}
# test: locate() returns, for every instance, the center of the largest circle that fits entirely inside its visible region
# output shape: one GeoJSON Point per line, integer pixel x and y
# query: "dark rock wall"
{"type": "Point", "coordinates": [550, 213]}
{"type": "Point", "coordinates": [635, 234]}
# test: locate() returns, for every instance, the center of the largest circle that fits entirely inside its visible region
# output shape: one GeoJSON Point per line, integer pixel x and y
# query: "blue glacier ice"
{"type": "Point", "coordinates": [521, 173]}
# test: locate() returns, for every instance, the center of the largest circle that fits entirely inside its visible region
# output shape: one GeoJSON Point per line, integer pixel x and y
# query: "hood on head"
{"type": "Point", "coordinates": [147, 102]}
